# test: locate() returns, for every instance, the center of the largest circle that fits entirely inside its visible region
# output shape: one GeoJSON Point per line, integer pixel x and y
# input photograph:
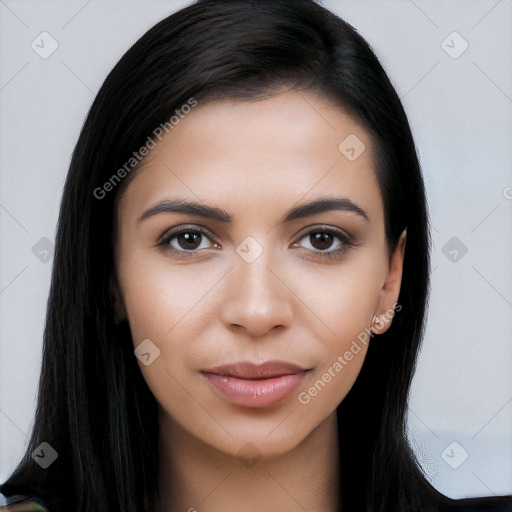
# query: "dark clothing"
{"type": "Point", "coordinates": [489, 504]}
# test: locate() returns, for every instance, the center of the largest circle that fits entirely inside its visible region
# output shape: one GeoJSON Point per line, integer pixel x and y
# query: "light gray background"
{"type": "Point", "coordinates": [461, 114]}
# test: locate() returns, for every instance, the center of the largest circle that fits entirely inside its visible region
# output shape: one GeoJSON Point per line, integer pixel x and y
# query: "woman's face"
{"type": "Point", "coordinates": [253, 300]}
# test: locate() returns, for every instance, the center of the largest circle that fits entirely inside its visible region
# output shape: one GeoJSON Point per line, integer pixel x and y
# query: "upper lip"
{"type": "Point", "coordinates": [248, 370]}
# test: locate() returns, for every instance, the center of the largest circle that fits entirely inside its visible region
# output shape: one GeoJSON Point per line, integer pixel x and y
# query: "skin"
{"type": "Point", "coordinates": [256, 160]}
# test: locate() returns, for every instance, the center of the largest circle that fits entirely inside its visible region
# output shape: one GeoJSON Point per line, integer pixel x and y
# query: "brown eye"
{"type": "Point", "coordinates": [186, 240]}
{"type": "Point", "coordinates": [324, 239]}
{"type": "Point", "coordinates": [321, 240]}
{"type": "Point", "coordinates": [326, 243]}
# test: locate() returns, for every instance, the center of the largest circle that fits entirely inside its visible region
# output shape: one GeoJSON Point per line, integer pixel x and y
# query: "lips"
{"type": "Point", "coordinates": [253, 385]}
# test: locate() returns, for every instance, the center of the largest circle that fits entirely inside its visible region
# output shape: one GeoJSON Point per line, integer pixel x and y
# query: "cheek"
{"type": "Point", "coordinates": [165, 305]}
{"type": "Point", "coordinates": [344, 297]}
{"type": "Point", "coordinates": [158, 297]}
{"type": "Point", "coordinates": [345, 303]}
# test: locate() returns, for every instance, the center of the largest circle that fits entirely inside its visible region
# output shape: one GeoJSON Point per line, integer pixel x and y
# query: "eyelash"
{"type": "Point", "coordinates": [331, 255]}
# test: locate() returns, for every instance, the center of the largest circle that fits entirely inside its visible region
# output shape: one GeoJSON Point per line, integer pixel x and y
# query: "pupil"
{"type": "Point", "coordinates": [189, 240]}
{"type": "Point", "coordinates": [321, 240]}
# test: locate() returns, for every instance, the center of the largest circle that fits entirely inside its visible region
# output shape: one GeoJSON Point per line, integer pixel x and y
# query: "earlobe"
{"type": "Point", "coordinates": [116, 301]}
{"type": "Point", "coordinates": [390, 290]}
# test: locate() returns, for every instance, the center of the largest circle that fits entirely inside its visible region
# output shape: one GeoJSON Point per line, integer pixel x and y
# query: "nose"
{"type": "Point", "coordinates": [257, 299]}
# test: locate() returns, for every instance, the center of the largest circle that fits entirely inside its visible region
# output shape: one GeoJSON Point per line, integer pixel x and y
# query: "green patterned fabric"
{"type": "Point", "coordinates": [24, 504]}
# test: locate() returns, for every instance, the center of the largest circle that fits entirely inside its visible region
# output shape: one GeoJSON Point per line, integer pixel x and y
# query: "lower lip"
{"type": "Point", "coordinates": [255, 393]}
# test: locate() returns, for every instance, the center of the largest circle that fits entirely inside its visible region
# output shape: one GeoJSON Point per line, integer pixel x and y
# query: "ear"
{"type": "Point", "coordinates": [390, 290]}
{"type": "Point", "coordinates": [116, 301]}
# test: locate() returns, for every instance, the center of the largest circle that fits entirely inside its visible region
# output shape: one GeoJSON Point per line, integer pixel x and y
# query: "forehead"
{"type": "Point", "coordinates": [255, 155]}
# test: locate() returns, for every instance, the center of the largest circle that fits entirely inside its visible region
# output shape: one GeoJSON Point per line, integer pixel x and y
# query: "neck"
{"type": "Point", "coordinates": [195, 477]}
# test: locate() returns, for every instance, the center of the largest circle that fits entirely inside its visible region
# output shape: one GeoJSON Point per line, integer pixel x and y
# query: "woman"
{"type": "Point", "coordinates": [240, 280]}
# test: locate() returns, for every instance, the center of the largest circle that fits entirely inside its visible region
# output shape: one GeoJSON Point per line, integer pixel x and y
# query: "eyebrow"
{"type": "Point", "coordinates": [315, 207]}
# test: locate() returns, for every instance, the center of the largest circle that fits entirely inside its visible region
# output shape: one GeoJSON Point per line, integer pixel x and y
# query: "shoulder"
{"type": "Point", "coordinates": [487, 504]}
{"type": "Point", "coordinates": [22, 503]}
{"type": "Point", "coordinates": [440, 503]}
{"type": "Point", "coordinates": [431, 500]}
